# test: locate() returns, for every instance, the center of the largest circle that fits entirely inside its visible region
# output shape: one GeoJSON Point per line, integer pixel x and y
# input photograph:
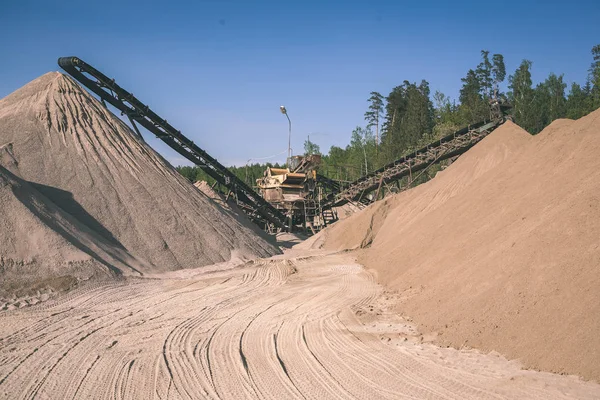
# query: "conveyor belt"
{"type": "Point", "coordinates": [258, 209]}
{"type": "Point", "coordinates": [445, 148]}
{"type": "Point", "coordinates": [330, 184]}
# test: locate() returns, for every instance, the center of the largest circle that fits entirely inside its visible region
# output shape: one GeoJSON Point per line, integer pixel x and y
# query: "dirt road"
{"type": "Point", "coordinates": [283, 328]}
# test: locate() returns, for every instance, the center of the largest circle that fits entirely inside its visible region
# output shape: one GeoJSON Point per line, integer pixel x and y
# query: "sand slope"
{"type": "Point", "coordinates": [362, 227]}
{"type": "Point", "coordinates": [86, 161]}
{"type": "Point", "coordinates": [43, 247]}
{"type": "Point", "coordinates": [500, 251]}
{"type": "Point", "coordinates": [233, 210]}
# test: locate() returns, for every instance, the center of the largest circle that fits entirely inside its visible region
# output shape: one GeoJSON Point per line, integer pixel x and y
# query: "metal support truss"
{"type": "Point", "coordinates": [258, 209]}
{"type": "Point", "coordinates": [447, 147]}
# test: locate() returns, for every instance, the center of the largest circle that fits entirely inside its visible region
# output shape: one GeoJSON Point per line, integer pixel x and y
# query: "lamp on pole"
{"type": "Point", "coordinates": [284, 111]}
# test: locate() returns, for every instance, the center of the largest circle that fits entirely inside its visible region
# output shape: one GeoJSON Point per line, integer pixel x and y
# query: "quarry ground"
{"type": "Point", "coordinates": [307, 324]}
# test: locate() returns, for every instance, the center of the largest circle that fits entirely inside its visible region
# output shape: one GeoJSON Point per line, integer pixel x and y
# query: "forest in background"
{"type": "Point", "coordinates": [409, 117]}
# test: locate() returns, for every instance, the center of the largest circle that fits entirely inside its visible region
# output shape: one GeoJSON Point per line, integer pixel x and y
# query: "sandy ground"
{"type": "Point", "coordinates": [304, 325]}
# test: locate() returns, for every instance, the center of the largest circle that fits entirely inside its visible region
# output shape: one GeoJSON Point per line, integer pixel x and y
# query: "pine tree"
{"type": "Point", "coordinates": [396, 103]}
{"type": "Point", "coordinates": [484, 75]}
{"type": "Point", "coordinates": [472, 105]}
{"type": "Point", "coordinates": [374, 114]}
{"type": "Point", "coordinates": [498, 73]}
{"type": "Point", "coordinates": [409, 117]}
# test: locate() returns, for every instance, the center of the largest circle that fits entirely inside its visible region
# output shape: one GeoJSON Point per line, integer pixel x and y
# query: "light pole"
{"type": "Point", "coordinates": [284, 111]}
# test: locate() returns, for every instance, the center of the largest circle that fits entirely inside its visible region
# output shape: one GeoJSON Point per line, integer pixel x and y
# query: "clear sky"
{"type": "Point", "coordinates": [219, 70]}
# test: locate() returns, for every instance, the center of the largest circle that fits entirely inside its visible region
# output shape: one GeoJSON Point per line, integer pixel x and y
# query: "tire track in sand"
{"type": "Point", "coordinates": [272, 329]}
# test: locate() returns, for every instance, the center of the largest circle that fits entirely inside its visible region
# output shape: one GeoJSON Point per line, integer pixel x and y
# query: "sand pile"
{"type": "Point", "coordinates": [363, 226]}
{"type": "Point", "coordinates": [89, 164]}
{"type": "Point", "coordinates": [500, 251]}
{"type": "Point", "coordinates": [236, 212]}
{"type": "Point", "coordinates": [37, 236]}
{"type": "Point", "coordinates": [347, 210]}
{"type": "Point", "coordinates": [205, 188]}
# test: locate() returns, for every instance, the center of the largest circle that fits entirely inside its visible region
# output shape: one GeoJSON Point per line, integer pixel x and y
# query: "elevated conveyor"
{"type": "Point", "coordinates": [258, 209]}
{"type": "Point", "coordinates": [443, 149]}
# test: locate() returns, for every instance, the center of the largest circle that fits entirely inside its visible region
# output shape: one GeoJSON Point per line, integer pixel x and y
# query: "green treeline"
{"type": "Point", "coordinates": [247, 173]}
{"type": "Point", "coordinates": [410, 116]}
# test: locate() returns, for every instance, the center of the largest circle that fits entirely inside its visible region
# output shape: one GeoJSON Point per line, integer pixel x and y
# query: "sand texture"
{"type": "Point", "coordinates": [38, 236]}
{"type": "Point", "coordinates": [230, 207]}
{"type": "Point", "coordinates": [312, 327]}
{"type": "Point", "coordinates": [75, 154]}
{"type": "Point", "coordinates": [500, 251]}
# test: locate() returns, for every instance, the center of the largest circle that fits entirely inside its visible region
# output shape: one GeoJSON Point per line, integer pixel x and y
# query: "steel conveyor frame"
{"type": "Point", "coordinates": [108, 90]}
{"type": "Point", "coordinates": [449, 146]}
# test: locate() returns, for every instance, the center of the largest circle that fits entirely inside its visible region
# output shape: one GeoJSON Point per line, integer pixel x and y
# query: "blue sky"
{"type": "Point", "coordinates": [219, 70]}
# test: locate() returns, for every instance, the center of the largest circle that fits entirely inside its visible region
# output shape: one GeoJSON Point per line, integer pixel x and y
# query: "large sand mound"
{"type": "Point", "coordinates": [86, 161]}
{"type": "Point", "coordinates": [43, 247]}
{"type": "Point", "coordinates": [363, 226]}
{"type": "Point", "coordinates": [500, 251]}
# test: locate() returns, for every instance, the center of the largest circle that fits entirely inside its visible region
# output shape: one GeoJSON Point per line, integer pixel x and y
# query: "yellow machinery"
{"type": "Point", "coordinates": [293, 190]}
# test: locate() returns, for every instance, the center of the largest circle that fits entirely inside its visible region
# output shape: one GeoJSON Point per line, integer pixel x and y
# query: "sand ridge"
{"type": "Point", "coordinates": [499, 252]}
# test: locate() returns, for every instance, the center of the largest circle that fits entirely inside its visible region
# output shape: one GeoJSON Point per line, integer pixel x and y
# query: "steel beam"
{"type": "Point", "coordinates": [108, 90]}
